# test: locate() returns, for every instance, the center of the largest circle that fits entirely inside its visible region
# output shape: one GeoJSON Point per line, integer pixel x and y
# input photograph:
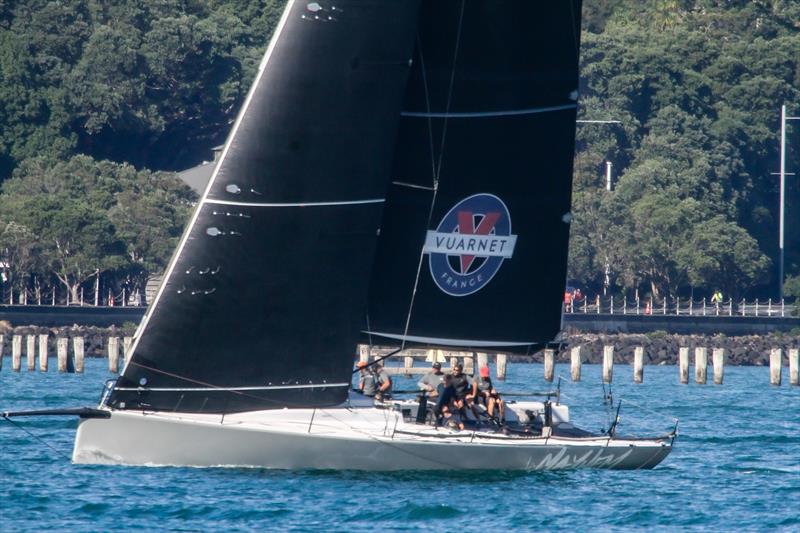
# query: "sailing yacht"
{"type": "Point", "coordinates": [399, 174]}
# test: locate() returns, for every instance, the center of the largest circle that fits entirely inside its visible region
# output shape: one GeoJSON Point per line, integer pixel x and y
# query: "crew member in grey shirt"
{"type": "Point", "coordinates": [367, 383]}
{"type": "Point", "coordinates": [430, 382]}
{"type": "Point", "coordinates": [383, 382]}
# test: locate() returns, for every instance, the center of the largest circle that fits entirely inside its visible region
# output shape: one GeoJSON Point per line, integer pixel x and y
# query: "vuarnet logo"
{"type": "Point", "coordinates": [470, 244]}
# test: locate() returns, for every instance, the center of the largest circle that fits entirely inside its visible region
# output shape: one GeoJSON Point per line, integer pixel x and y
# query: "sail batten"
{"type": "Point", "coordinates": [302, 204]}
{"type": "Point", "coordinates": [480, 114]}
{"type": "Point", "coordinates": [439, 341]}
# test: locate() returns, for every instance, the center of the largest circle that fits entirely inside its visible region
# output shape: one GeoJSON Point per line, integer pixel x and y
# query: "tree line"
{"type": "Point", "coordinates": [697, 88]}
{"type": "Point", "coordinates": [94, 93]}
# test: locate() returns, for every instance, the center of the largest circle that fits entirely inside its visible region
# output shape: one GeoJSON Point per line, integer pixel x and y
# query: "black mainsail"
{"type": "Point", "coordinates": [262, 303]}
{"type": "Point", "coordinates": [473, 244]}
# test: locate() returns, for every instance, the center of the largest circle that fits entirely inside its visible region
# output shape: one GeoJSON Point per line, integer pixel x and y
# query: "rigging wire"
{"type": "Point", "coordinates": [437, 166]}
{"type": "Point", "coordinates": [218, 388]}
{"type": "Point", "coordinates": [36, 437]}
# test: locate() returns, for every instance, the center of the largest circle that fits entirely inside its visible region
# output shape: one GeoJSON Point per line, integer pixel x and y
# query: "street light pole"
{"type": "Point", "coordinates": [783, 174]}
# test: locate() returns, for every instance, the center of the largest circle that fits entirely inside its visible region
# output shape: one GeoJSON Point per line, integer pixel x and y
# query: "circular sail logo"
{"type": "Point", "coordinates": [468, 247]}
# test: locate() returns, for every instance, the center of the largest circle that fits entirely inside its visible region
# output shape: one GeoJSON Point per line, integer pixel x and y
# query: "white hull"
{"type": "Point", "coordinates": [362, 438]}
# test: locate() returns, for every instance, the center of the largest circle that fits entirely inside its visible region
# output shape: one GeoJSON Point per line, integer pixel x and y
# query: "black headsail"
{"type": "Point", "coordinates": [263, 301]}
{"type": "Point", "coordinates": [473, 244]}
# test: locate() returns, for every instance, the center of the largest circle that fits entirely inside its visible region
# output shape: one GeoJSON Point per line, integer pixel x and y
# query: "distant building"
{"type": "Point", "coordinates": [197, 177]}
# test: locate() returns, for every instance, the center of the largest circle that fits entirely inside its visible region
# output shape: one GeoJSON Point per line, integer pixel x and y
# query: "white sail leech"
{"type": "Point", "coordinates": [185, 237]}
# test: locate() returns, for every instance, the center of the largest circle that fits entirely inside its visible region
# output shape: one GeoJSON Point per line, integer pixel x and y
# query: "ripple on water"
{"type": "Point", "coordinates": [734, 467]}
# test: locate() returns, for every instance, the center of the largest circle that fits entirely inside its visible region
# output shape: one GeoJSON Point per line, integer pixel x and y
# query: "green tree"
{"type": "Point", "coordinates": [85, 218]}
{"type": "Point", "coordinates": [148, 216]}
{"type": "Point", "coordinates": [723, 255]}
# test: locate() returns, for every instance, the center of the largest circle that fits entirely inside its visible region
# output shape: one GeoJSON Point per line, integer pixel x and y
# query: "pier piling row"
{"type": "Point", "coordinates": [471, 362]}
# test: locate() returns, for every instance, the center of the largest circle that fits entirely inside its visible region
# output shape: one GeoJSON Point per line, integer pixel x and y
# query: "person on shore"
{"type": "Point", "coordinates": [431, 382]}
{"type": "Point", "coordinates": [716, 299]}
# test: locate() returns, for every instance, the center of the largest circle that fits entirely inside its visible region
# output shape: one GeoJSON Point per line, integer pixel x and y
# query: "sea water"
{"type": "Point", "coordinates": [735, 466]}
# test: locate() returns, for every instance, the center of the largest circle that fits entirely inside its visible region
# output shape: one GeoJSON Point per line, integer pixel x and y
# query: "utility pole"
{"type": "Point", "coordinates": [783, 175]}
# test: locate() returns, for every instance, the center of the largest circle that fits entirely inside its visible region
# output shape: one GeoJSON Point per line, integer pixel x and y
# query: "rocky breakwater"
{"type": "Point", "coordinates": [661, 348]}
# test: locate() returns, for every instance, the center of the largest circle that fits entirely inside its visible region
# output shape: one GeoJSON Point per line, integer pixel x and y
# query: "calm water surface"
{"type": "Point", "coordinates": [736, 466]}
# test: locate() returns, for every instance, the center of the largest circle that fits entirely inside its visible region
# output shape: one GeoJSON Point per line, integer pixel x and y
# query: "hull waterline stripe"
{"type": "Point", "coordinates": [301, 204]}
{"type": "Point", "coordinates": [230, 389]}
{"type": "Point", "coordinates": [447, 342]}
{"type": "Point", "coordinates": [485, 114]}
{"type": "Point", "coordinates": [174, 261]}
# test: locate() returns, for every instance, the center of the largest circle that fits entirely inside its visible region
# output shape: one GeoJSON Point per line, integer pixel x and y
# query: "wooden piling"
{"type": "Point", "coordinates": [608, 363]}
{"type": "Point", "coordinates": [794, 362]}
{"type": "Point", "coordinates": [683, 365]}
{"type": "Point", "coordinates": [775, 366]}
{"type": "Point", "coordinates": [16, 352]}
{"type": "Point", "coordinates": [469, 363]}
{"type": "Point", "coordinates": [113, 354]}
{"type": "Point", "coordinates": [363, 353]}
{"type": "Point", "coordinates": [483, 360]}
{"type": "Point", "coordinates": [62, 348]}
{"type": "Point", "coordinates": [127, 344]}
{"type": "Point", "coordinates": [43, 339]}
{"type": "Point", "coordinates": [501, 366]}
{"type": "Point", "coordinates": [77, 349]}
{"type": "Point", "coordinates": [638, 364]}
{"type": "Point", "coordinates": [718, 359]}
{"type": "Point", "coordinates": [408, 364]}
{"type": "Point", "coordinates": [30, 352]}
{"type": "Point", "coordinates": [701, 365]}
{"type": "Point", "coordinates": [2, 341]}
{"type": "Point", "coordinates": [575, 363]}
{"type": "Point", "coordinates": [549, 364]}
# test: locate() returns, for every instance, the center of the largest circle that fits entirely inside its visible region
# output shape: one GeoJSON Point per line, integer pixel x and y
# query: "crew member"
{"type": "Point", "coordinates": [432, 381]}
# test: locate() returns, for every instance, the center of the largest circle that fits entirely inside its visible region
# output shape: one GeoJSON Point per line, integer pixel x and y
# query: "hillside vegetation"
{"type": "Point", "coordinates": [96, 94]}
